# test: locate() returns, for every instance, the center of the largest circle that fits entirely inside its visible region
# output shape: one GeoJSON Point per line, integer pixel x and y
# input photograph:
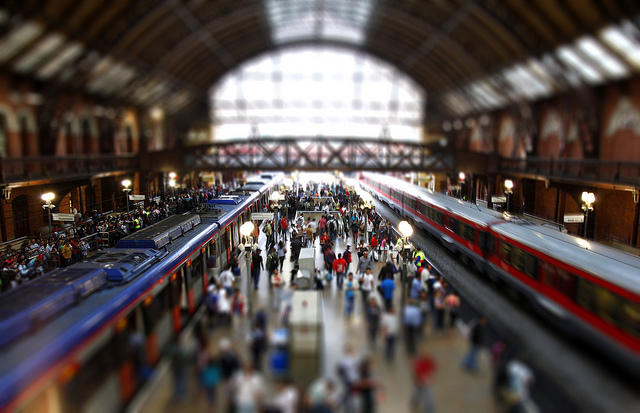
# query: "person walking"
{"type": "Point", "coordinates": [411, 320]}
{"type": "Point", "coordinates": [257, 266]}
{"type": "Point", "coordinates": [350, 296]}
{"type": "Point", "coordinates": [387, 286]}
{"type": "Point", "coordinates": [390, 331]}
{"type": "Point", "coordinates": [423, 367]}
{"type": "Point", "coordinates": [340, 268]}
{"type": "Point", "coordinates": [367, 284]}
{"type": "Point", "coordinates": [476, 338]}
{"type": "Point", "coordinates": [282, 252]}
{"type": "Point", "coordinates": [373, 314]}
{"type": "Point", "coordinates": [278, 284]}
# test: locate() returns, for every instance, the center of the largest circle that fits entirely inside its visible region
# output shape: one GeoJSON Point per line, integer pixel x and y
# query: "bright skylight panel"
{"type": "Point", "coordinates": [341, 20]}
{"type": "Point", "coordinates": [624, 40]}
{"type": "Point", "coordinates": [37, 53]}
{"type": "Point", "coordinates": [614, 68]}
{"type": "Point", "coordinates": [19, 37]}
{"type": "Point", "coordinates": [579, 65]}
{"type": "Point", "coordinates": [70, 52]}
{"type": "Point", "coordinates": [526, 83]}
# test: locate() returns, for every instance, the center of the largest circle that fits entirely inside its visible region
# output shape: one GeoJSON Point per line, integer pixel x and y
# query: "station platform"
{"type": "Point", "coordinates": [455, 390]}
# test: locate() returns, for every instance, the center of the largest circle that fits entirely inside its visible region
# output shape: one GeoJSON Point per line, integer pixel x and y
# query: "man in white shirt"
{"type": "Point", "coordinates": [226, 278]}
{"type": "Point", "coordinates": [390, 326]}
{"type": "Point", "coordinates": [367, 284]}
{"type": "Point", "coordinates": [248, 389]}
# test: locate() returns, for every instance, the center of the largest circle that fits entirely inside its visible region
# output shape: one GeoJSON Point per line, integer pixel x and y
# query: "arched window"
{"type": "Point", "coordinates": [317, 91]}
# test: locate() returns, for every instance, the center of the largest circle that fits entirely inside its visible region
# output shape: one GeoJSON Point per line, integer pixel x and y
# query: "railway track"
{"type": "Point", "coordinates": [584, 378]}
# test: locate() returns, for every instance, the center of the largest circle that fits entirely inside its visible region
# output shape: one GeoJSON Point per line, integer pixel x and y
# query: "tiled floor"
{"type": "Point", "coordinates": [455, 390]}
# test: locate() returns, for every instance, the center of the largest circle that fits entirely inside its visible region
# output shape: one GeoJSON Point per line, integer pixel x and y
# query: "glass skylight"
{"type": "Point", "coordinates": [19, 37]}
{"type": "Point", "coordinates": [70, 52]}
{"type": "Point", "coordinates": [579, 65]}
{"type": "Point", "coordinates": [37, 53]}
{"type": "Point", "coordinates": [624, 39]}
{"type": "Point", "coordinates": [342, 94]}
{"type": "Point", "coordinates": [294, 20]}
{"type": "Point", "coordinates": [600, 56]}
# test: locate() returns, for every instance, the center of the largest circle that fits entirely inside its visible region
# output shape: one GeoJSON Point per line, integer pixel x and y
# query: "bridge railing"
{"type": "Point", "coordinates": [592, 170]}
{"type": "Point", "coordinates": [50, 167]}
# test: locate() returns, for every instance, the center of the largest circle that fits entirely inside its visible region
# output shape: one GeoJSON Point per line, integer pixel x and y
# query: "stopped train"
{"type": "Point", "coordinates": [72, 340]}
{"type": "Point", "coordinates": [588, 290]}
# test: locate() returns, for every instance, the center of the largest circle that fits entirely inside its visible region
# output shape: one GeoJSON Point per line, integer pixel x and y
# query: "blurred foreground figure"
{"type": "Point", "coordinates": [423, 368]}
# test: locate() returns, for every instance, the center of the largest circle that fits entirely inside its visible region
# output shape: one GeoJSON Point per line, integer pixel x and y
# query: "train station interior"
{"type": "Point", "coordinates": [126, 112]}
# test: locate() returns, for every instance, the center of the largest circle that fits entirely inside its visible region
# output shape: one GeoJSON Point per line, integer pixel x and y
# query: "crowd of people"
{"type": "Point", "coordinates": [72, 243]}
{"type": "Point", "coordinates": [317, 218]}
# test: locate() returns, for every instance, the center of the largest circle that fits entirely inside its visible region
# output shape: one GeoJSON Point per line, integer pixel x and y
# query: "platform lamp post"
{"type": "Point", "coordinates": [126, 183]}
{"type": "Point", "coordinates": [508, 190]}
{"type": "Point", "coordinates": [172, 183]}
{"type": "Point", "coordinates": [588, 198]}
{"type": "Point", "coordinates": [47, 198]}
{"type": "Point", "coordinates": [406, 230]}
{"type": "Point", "coordinates": [461, 178]}
{"type": "Point", "coordinates": [246, 230]}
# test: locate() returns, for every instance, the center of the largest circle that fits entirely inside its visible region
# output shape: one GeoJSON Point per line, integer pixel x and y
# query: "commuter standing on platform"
{"type": "Point", "coordinates": [340, 268]}
{"type": "Point", "coordinates": [423, 368]}
{"type": "Point", "coordinates": [411, 319]}
{"type": "Point", "coordinates": [390, 330]}
{"type": "Point", "coordinates": [256, 267]}
{"type": "Point", "coordinates": [387, 286]}
{"type": "Point", "coordinates": [373, 314]}
{"type": "Point", "coordinates": [476, 338]}
{"type": "Point", "coordinates": [350, 296]}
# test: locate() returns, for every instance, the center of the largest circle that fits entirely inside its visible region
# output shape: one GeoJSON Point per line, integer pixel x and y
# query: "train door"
{"type": "Point", "coordinates": [156, 316]}
{"type": "Point", "coordinates": [194, 275]}
{"type": "Point", "coordinates": [175, 298]}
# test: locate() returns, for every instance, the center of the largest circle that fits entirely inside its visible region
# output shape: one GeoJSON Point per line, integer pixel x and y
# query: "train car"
{"type": "Point", "coordinates": [91, 342]}
{"type": "Point", "coordinates": [460, 226]}
{"type": "Point", "coordinates": [586, 289]}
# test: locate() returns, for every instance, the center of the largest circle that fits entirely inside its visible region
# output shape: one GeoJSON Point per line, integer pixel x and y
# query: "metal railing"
{"type": "Point", "coordinates": [595, 170]}
{"type": "Point", "coordinates": [51, 167]}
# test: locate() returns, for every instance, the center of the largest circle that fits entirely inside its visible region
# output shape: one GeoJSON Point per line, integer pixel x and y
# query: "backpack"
{"type": "Point", "coordinates": [347, 257]}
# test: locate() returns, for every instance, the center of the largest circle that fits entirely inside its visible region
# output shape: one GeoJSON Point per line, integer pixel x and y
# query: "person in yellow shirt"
{"type": "Point", "coordinates": [66, 251]}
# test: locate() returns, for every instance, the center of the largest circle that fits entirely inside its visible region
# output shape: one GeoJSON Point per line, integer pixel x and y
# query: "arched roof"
{"type": "Point", "coordinates": [173, 51]}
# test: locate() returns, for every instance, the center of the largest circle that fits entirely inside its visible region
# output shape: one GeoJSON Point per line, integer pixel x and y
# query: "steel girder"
{"type": "Point", "coordinates": [319, 154]}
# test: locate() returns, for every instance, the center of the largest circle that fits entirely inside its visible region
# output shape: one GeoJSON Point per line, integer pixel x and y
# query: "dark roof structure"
{"type": "Point", "coordinates": [463, 52]}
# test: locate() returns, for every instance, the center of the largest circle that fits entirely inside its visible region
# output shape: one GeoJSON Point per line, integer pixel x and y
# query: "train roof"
{"type": "Point", "coordinates": [158, 235]}
{"type": "Point", "coordinates": [471, 212]}
{"type": "Point", "coordinates": [591, 257]}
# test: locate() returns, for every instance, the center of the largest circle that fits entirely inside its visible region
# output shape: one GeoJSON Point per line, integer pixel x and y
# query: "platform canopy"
{"type": "Point", "coordinates": [469, 55]}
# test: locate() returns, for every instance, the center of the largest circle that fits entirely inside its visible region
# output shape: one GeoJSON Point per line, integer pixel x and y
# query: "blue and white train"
{"type": "Point", "coordinates": [72, 339]}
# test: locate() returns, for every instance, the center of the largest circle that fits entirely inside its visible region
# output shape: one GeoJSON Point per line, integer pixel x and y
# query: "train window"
{"type": "Point", "coordinates": [490, 244]}
{"type": "Point", "coordinates": [397, 195]}
{"type": "Point", "coordinates": [424, 210]}
{"type": "Point", "coordinates": [449, 223]}
{"type": "Point", "coordinates": [439, 217]}
{"type": "Point", "coordinates": [607, 305]}
{"type": "Point", "coordinates": [505, 252]}
{"type": "Point", "coordinates": [557, 278]}
{"type": "Point", "coordinates": [482, 239]}
{"type": "Point", "coordinates": [630, 317]}
{"type": "Point", "coordinates": [524, 262]}
{"type": "Point", "coordinates": [585, 294]}
{"type": "Point", "coordinates": [467, 232]}
{"type": "Point", "coordinates": [385, 189]}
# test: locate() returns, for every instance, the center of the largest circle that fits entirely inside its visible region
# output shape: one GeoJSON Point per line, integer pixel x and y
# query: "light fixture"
{"type": "Point", "coordinates": [508, 184]}
{"type": "Point", "coordinates": [405, 229]}
{"type": "Point", "coordinates": [126, 183]}
{"type": "Point", "coordinates": [462, 176]}
{"type": "Point", "coordinates": [246, 229]}
{"type": "Point", "coordinates": [508, 190]}
{"type": "Point", "coordinates": [47, 198]}
{"type": "Point", "coordinates": [172, 175]}
{"type": "Point", "coordinates": [588, 198]}
{"type": "Point", "coordinates": [7, 193]}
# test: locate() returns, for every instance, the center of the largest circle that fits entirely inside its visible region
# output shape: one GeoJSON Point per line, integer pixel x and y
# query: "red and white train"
{"type": "Point", "coordinates": [589, 290]}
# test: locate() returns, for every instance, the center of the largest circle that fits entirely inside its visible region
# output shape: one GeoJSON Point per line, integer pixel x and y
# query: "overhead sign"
{"type": "Point", "coordinates": [156, 199]}
{"type": "Point", "coordinates": [136, 197]}
{"type": "Point", "coordinates": [261, 216]}
{"type": "Point", "coordinates": [498, 199]}
{"type": "Point", "coordinates": [573, 218]}
{"type": "Point", "coordinates": [63, 217]}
